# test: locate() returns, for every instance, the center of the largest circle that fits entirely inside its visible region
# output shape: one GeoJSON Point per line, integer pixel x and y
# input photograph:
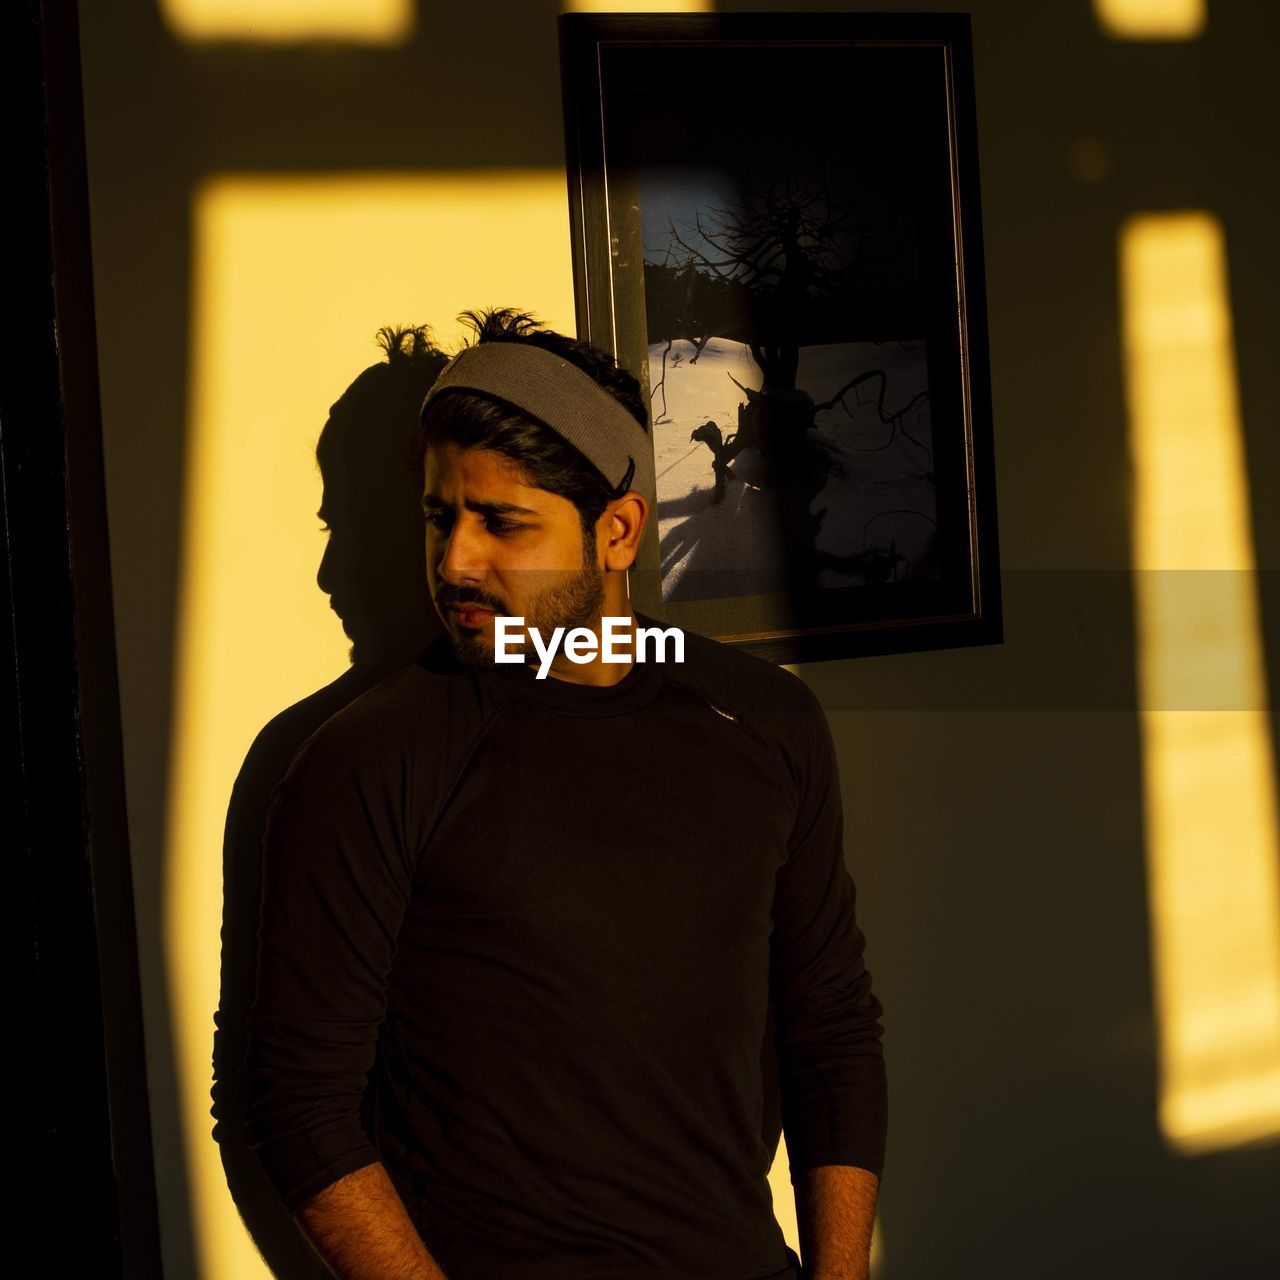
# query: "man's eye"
{"type": "Point", "coordinates": [443, 520]}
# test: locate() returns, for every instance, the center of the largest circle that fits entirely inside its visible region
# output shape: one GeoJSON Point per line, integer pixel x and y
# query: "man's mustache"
{"type": "Point", "coordinates": [448, 596]}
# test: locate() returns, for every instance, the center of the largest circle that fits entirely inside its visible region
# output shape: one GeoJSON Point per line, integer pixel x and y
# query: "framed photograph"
{"type": "Point", "coordinates": [776, 227]}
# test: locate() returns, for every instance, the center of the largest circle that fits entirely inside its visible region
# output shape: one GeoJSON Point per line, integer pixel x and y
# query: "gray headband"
{"type": "Point", "coordinates": [555, 392]}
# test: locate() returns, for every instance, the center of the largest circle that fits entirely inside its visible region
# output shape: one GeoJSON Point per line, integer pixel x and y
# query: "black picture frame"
{"type": "Point", "coordinates": [790, 203]}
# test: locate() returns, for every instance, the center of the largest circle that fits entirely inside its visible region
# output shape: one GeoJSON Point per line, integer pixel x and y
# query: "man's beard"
{"type": "Point", "coordinates": [575, 602]}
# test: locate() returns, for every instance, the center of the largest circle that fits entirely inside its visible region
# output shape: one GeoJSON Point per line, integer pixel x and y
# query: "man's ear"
{"type": "Point", "coordinates": [625, 517]}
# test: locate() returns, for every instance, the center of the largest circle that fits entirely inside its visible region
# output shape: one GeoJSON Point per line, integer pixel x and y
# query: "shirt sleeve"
{"type": "Point", "coordinates": [832, 1081]}
{"type": "Point", "coordinates": [336, 880]}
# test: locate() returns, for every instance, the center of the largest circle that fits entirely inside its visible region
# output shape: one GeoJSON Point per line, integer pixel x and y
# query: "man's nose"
{"type": "Point", "coordinates": [461, 557]}
{"type": "Point", "coordinates": [324, 574]}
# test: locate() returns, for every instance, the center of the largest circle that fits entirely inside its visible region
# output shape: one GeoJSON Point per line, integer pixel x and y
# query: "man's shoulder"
{"type": "Point", "coordinates": [770, 697]}
{"type": "Point", "coordinates": [428, 709]}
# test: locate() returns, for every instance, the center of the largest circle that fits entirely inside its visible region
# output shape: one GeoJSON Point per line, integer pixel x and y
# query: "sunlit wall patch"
{"type": "Point", "coordinates": [1208, 771]}
{"type": "Point", "coordinates": [1151, 19]}
{"type": "Point", "coordinates": [637, 6]}
{"type": "Point", "coordinates": [291, 278]}
{"type": "Point", "coordinates": [385, 22]}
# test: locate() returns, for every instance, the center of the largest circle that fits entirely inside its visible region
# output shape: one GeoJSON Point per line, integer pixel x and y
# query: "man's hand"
{"type": "Point", "coordinates": [362, 1231]}
{"type": "Point", "coordinates": [835, 1207]}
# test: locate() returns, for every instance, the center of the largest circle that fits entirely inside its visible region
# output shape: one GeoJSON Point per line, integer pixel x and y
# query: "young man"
{"type": "Point", "coordinates": [520, 933]}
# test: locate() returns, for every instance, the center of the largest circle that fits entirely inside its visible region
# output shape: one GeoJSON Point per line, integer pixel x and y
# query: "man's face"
{"type": "Point", "coordinates": [495, 545]}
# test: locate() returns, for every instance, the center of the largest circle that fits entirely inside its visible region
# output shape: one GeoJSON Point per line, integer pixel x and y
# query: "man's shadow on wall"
{"type": "Point", "coordinates": [375, 574]}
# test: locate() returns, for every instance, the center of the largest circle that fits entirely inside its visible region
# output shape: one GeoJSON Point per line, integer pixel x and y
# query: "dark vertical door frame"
{"type": "Point", "coordinates": [83, 1190]}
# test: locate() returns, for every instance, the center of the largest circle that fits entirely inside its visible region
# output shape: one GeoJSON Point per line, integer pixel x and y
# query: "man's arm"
{"type": "Point", "coordinates": [337, 875]}
{"type": "Point", "coordinates": [835, 1207]}
{"type": "Point", "coordinates": [833, 1089]}
{"type": "Point", "coordinates": [361, 1230]}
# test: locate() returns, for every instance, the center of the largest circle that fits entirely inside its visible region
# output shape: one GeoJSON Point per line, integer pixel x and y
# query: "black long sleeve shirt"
{"type": "Point", "coordinates": [543, 922]}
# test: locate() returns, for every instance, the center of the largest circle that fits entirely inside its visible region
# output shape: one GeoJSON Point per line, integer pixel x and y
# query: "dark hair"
{"type": "Point", "coordinates": [406, 342]}
{"type": "Point", "coordinates": [547, 461]}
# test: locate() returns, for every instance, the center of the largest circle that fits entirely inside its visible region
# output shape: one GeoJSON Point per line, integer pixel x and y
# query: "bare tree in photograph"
{"type": "Point", "coordinates": [786, 265]}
